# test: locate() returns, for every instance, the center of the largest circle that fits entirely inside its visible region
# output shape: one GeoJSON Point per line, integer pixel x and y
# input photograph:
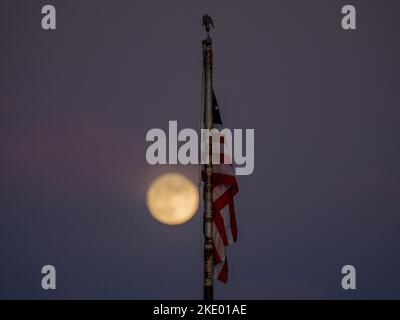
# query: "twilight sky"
{"type": "Point", "coordinates": [75, 106]}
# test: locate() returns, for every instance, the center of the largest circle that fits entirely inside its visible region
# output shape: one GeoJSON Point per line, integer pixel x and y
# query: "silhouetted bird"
{"type": "Point", "coordinates": [207, 22]}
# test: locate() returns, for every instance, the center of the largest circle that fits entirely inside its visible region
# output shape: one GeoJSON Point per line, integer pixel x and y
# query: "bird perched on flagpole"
{"type": "Point", "coordinates": [208, 23]}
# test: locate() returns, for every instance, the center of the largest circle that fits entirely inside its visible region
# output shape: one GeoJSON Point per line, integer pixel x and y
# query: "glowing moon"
{"type": "Point", "coordinates": [172, 199]}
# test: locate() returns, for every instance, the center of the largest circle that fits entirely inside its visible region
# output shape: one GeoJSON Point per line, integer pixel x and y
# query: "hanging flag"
{"type": "Point", "coordinates": [224, 189]}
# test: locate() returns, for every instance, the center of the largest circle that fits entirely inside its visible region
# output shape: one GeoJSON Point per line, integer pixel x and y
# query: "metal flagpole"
{"type": "Point", "coordinates": [207, 192]}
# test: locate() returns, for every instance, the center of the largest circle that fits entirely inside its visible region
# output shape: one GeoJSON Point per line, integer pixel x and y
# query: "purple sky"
{"type": "Point", "coordinates": [75, 106]}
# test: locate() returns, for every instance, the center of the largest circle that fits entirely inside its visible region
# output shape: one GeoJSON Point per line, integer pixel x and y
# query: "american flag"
{"type": "Point", "coordinates": [224, 189]}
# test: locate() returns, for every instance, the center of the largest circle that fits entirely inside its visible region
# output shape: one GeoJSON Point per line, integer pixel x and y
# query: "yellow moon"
{"type": "Point", "coordinates": [172, 199]}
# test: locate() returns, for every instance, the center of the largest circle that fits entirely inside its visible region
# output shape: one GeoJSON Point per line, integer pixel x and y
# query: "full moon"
{"type": "Point", "coordinates": [172, 199]}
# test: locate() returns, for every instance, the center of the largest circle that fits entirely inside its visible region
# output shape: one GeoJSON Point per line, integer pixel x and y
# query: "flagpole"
{"type": "Point", "coordinates": [207, 192]}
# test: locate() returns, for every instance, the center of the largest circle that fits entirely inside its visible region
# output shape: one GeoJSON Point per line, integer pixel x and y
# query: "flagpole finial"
{"type": "Point", "coordinates": [208, 23]}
